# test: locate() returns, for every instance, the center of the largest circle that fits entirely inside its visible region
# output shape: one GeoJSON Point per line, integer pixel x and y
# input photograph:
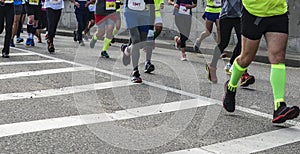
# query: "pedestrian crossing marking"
{"type": "Point", "coordinates": [250, 144]}
{"type": "Point", "coordinates": [29, 62]}
{"type": "Point", "coordinates": [42, 72]}
{"type": "Point", "coordinates": [71, 121]}
{"type": "Point", "coordinates": [64, 90]}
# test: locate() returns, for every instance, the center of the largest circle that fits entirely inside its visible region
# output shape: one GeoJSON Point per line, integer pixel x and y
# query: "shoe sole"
{"type": "Point", "coordinates": [247, 82]}
{"type": "Point", "coordinates": [209, 76]}
{"type": "Point", "coordinates": [289, 115]}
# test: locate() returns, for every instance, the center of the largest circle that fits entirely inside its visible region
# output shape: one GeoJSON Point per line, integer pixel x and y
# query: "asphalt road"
{"type": "Point", "coordinates": [75, 102]}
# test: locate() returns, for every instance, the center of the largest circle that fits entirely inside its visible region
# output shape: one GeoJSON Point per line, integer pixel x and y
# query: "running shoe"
{"type": "Point", "coordinates": [92, 43]}
{"type": "Point", "coordinates": [104, 54]}
{"type": "Point", "coordinates": [85, 37]}
{"type": "Point", "coordinates": [19, 40]}
{"type": "Point", "coordinates": [247, 80]}
{"type": "Point", "coordinates": [126, 54]}
{"type": "Point", "coordinates": [81, 43]}
{"type": "Point", "coordinates": [11, 44]}
{"type": "Point", "coordinates": [113, 40]}
{"type": "Point", "coordinates": [227, 69]}
{"type": "Point", "coordinates": [177, 42]}
{"type": "Point", "coordinates": [51, 48]}
{"type": "Point", "coordinates": [229, 98]}
{"type": "Point", "coordinates": [196, 45]}
{"type": "Point", "coordinates": [149, 67]}
{"type": "Point", "coordinates": [29, 42]}
{"type": "Point", "coordinates": [136, 77]}
{"type": "Point", "coordinates": [32, 42]}
{"type": "Point", "coordinates": [5, 55]}
{"type": "Point", "coordinates": [211, 73]}
{"type": "Point", "coordinates": [223, 55]}
{"type": "Point", "coordinates": [183, 57]}
{"type": "Point", "coordinates": [284, 113]}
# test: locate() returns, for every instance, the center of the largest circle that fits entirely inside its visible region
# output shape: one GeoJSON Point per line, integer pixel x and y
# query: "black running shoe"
{"type": "Point", "coordinates": [136, 77]}
{"type": "Point", "coordinates": [5, 55]}
{"type": "Point", "coordinates": [104, 54]}
{"type": "Point", "coordinates": [113, 40]}
{"type": "Point", "coordinates": [229, 98]}
{"type": "Point", "coordinates": [149, 67]}
{"type": "Point", "coordinates": [126, 58]}
{"type": "Point", "coordinates": [284, 113]}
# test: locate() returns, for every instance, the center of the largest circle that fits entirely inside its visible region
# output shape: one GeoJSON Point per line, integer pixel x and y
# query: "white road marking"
{"type": "Point", "coordinates": [42, 72]}
{"type": "Point", "coordinates": [21, 54]}
{"type": "Point", "coordinates": [29, 62]}
{"type": "Point", "coordinates": [251, 144]}
{"type": "Point", "coordinates": [64, 91]}
{"type": "Point", "coordinates": [247, 110]}
{"type": "Point", "coordinates": [71, 121]}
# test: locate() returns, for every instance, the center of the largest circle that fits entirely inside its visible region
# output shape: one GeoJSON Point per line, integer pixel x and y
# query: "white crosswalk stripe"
{"type": "Point", "coordinates": [64, 90]}
{"type": "Point", "coordinates": [29, 62]}
{"type": "Point", "coordinates": [55, 123]}
{"type": "Point", "coordinates": [42, 72]}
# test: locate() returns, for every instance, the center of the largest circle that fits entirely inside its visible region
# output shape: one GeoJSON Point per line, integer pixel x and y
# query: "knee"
{"type": "Point", "coordinates": [277, 58]}
{"type": "Point", "coordinates": [244, 61]}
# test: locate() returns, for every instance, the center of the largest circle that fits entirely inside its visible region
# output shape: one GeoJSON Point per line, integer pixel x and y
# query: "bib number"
{"type": "Point", "coordinates": [217, 3]}
{"type": "Point", "coordinates": [34, 2]}
{"type": "Point", "coordinates": [55, 1]}
{"type": "Point", "coordinates": [138, 5]}
{"type": "Point", "coordinates": [183, 10]}
{"type": "Point", "coordinates": [110, 5]}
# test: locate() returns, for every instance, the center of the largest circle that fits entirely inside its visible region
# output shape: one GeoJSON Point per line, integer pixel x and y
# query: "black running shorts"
{"type": "Point", "coordinates": [254, 27]}
{"type": "Point", "coordinates": [34, 10]}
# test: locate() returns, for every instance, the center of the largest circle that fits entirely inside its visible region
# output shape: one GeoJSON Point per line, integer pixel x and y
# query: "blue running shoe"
{"type": "Point", "coordinates": [28, 41]}
{"type": "Point", "coordinates": [19, 40]}
{"type": "Point", "coordinates": [32, 42]}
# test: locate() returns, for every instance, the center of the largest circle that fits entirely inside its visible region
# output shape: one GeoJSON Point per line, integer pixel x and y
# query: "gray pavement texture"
{"type": "Point", "coordinates": [172, 81]}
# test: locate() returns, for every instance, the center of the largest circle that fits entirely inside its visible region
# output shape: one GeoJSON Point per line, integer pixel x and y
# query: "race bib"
{"type": "Point", "coordinates": [110, 5]}
{"type": "Point", "coordinates": [34, 2]}
{"type": "Point", "coordinates": [184, 10]}
{"type": "Point", "coordinates": [55, 1]}
{"type": "Point", "coordinates": [8, 1]}
{"type": "Point", "coordinates": [217, 3]}
{"type": "Point", "coordinates": [138, 5]}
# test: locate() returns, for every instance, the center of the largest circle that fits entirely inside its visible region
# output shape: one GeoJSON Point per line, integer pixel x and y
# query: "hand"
{"type": "Point", "coordinates": [87, 4]}
{"type": "Point", "coordinates": [77, 4]}
{"type": "Point", "coordinates": [188, 6]}
{"type": "Point", "coordinates": [162, 6]}
{"type": "Point", "coordinates": [176, 6]}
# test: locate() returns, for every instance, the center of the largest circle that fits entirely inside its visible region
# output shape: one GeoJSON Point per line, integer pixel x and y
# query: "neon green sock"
{"type": "Point", "coordinates": [278, 81]}
{"type": "Point", "coordinates": [115, 32]}
{"type": "Point", "coordinates": [95, 37]}
{"type": "Point", "coordinates": [237, 72]}
{"type": "Point", "coordinates": [106, 44]}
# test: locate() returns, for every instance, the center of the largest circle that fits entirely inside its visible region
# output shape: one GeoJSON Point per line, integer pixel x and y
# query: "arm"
{"type": "Point", "coordinates": [171, 2]}
{"type": "Point", "coordinates": [188, 6]}
{"type": "Point", "coordinates": [75, 3]}
{"type": "Point", "coordinates": [90, 2]}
